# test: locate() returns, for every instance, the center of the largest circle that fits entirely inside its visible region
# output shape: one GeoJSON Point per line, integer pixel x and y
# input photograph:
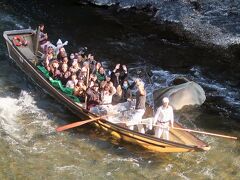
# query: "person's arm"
{"type": "Point", "coordinates": [156, 116]}
{"type": "Point", "coordinates": [142, 91]}
{"type": "Point", "coordinates": [172, 117]}
{"type": "Point", "coordinates": [116, 68]}
{"type": "Point", "coordinates": [113, 89]}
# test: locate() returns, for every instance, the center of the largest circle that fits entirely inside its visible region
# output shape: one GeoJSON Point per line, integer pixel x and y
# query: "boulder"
{"type": "Point", "coordinates": [189, 93]}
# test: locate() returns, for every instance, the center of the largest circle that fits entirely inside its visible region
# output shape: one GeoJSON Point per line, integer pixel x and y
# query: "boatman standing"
{"type": "Point", "coordinates": [163, 118]}
{"type": "Point", "coordinates": [139, 108]}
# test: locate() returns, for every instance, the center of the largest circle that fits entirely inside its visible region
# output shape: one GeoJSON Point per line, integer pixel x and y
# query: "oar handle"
{"type": "Point", "coordinates": [207, 133]}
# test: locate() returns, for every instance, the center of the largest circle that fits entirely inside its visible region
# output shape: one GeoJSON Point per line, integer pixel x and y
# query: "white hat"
{"type": "Point", "coordinates": [59, 42]}
{"type": "Point", "coordinates": [165, 100]}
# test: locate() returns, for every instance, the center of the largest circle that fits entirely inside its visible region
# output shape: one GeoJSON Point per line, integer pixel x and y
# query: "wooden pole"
{"type": "Point", "coordinates": [36, 45]}
{"type": "Point", "coordinates": [87, 83]}
{"type": "Point", "coordinates": [206, 133]}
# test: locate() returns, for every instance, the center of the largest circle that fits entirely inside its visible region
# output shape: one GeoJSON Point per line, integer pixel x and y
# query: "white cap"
{"type": "Point", "coordinates": [165, 100]}
{"type": "Point", "coordinates": [59, 42]}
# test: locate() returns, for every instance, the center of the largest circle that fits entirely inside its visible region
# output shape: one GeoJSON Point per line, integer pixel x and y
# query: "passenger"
{"type": "Point", "coordinates": [75, 67]}
{"type": "Point", "coordinates": [65, 74]}
{"type": "Point", "coordinates": [117, 76]}
{"type": "Point", "coordinates": [72, 56]}
{"type": "Point", "coordinates": [80, 90]}
{"type": "Point", "coordinates": [107, 94]}
{"type": "Point", "coordinates": [96, 67]}
{"type": "Point", "coordinates": [101, 76]}
{"type": "Point", "coordinates": [48, 57]}
{"type": "Point", "coordinates": [73, 82]}
{"type": "Point", "coordinates": [163, 118]}
{"type": "Point", "coordinates": [93, 96]}
{"type": "Point", "coordinates": [80, 59]}
{"type": "Point", "coordinates": [84, 70]}
{"type": "Point", "coordinates": [54, 71]}
{"type": "Point", "coordinates": [60, 45]}
{"type": "Point", "coordinates": [139, 108]}
{"type": "Point", "coordinates": [62, 54]}
{"type": "Point", "coordinates": [117, 97]}
{"type": "Point", "coordinates": [65, 60]}
{"type": "Point", "coordinates": [107, 81]}
{"type": "Point", "coordinates": [43, 37]}
{"type": "Point", "coordinates": [126, 92]}
{"type": "Point", "coordinates": [92, 80]}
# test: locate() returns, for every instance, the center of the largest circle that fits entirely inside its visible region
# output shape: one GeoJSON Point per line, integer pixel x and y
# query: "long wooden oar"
{"type": "Point", "coordinates": [79, 123]}
{"type": "Point", "coordinates": [207, 133]}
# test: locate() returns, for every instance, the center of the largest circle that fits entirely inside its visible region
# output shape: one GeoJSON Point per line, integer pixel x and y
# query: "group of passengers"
{"type": "Point", "coordinates": [92, 83]}
{"type": "Point", "coordinates": [87, 77]}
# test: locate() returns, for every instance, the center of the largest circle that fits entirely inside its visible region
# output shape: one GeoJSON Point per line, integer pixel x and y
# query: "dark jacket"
{"type": "Point", "coordinates": [118, 80]}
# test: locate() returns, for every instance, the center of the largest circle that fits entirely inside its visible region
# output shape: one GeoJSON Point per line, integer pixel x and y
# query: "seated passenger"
{"type": "Point", "coordinates": [101, 76]}
{"type": "Point", "coordinates": [80, 90]}
{"type": "Point", "coordinates": [62, 53]}
{"type": "Point", "coordinates": [84, 71]}
{"type": "Point", "coordinates": [107, 94]}
{"type": "Point", "coordinates": [54, 71]}
{"type": "Point", "coordinates": [93, 96]}
{"type": "Point", "coordinates": [73, 82]}
{"type": "Point", "coordinates": [65, 60]}
{"type": "Point", "coordinates": [60, 45]}
{"type": "Point", "coordinates": [117, 76]}
{"type": "Point", "coordinates": [106, 81]}
{"type": "Point", "coordinates": [65, 74]}
{"type": "Point", "coordinates": [48, 57]}
{"type": "Point", "coordinates": [75, 67]}
{"type": "Point", "coordinates": [92, 80]}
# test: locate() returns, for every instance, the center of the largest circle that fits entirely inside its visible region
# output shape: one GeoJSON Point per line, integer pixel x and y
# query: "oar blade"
{"type": "Point", "coordinates": [69, 126]}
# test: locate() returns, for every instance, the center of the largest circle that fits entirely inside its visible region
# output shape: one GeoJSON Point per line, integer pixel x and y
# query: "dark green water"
{"type": "Point", "coordinates": [31, 149]}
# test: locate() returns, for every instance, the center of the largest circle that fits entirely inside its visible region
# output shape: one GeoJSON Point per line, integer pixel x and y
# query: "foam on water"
{"type": "Point", "coordinates": [21, 117]}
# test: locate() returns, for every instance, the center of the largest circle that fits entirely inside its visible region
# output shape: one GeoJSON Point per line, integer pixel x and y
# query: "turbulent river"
{"type": "Point", "coordinates": [31, 149]}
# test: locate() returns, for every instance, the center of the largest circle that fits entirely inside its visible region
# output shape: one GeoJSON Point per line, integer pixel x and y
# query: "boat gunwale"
{"type": "Point", "coordinates": [101, 121]}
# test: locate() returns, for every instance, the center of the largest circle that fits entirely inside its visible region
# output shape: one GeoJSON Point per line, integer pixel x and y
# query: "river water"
{"type": "Point", "coordinates": [31, 149]}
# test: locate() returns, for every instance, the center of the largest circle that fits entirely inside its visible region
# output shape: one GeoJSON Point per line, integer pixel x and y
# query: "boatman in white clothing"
{"type": "Point", "coordinates": [163, 118]}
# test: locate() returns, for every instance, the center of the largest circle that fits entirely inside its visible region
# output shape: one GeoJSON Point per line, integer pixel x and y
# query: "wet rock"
{"type": "Point", "coordinates": [189, 93]}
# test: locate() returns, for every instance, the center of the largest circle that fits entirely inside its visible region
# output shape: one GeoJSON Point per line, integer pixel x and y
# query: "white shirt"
{"type": "Point", "coordinates": [164, 114]}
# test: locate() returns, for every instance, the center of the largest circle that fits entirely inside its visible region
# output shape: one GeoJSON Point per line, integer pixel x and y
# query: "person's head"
{"type": "Point", "coordinates": [139, 83]}
{"type": "Point", "coordinates": [165, 101]}
{"type": "Point", "coordinates": [64, 67]}
{"type": "Point", "coordinates": [94, 77]}
{"type": "Point", "coordinates": [106, 88]}
{"type": "Point", "coordinates": [108, 78]}
{"type": "Point", "coordinates": [65, 60]}
{"type": "Point", "coordinates": [125, 84]}
{"type": "Point", "coordinates": [41, 26]}
{"type": "Point", "coordinates": [95, 87]}
{"type": "Point", "coordinates": [62, 50]}
{"type": "Point", "coordinates": [55, 64]}
{"type": "Point", "coordinates": [74, 77]}
{"type": "Point", "coordinates": [101, 70]}
{"type": "Point", "coordinates": [117, 73]}
{"type": "Point", "coordinates": [81, 82]}
{"type": "Point", "coordinates": [75, 63]}
{"type": "Point", "coordinates": [72, 56]}
{"type": "Point", "coordinates": [50, 50]}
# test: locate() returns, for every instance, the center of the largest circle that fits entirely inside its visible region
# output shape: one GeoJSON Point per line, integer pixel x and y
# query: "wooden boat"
{"type": "Point", "coordinates": [26, 58]}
